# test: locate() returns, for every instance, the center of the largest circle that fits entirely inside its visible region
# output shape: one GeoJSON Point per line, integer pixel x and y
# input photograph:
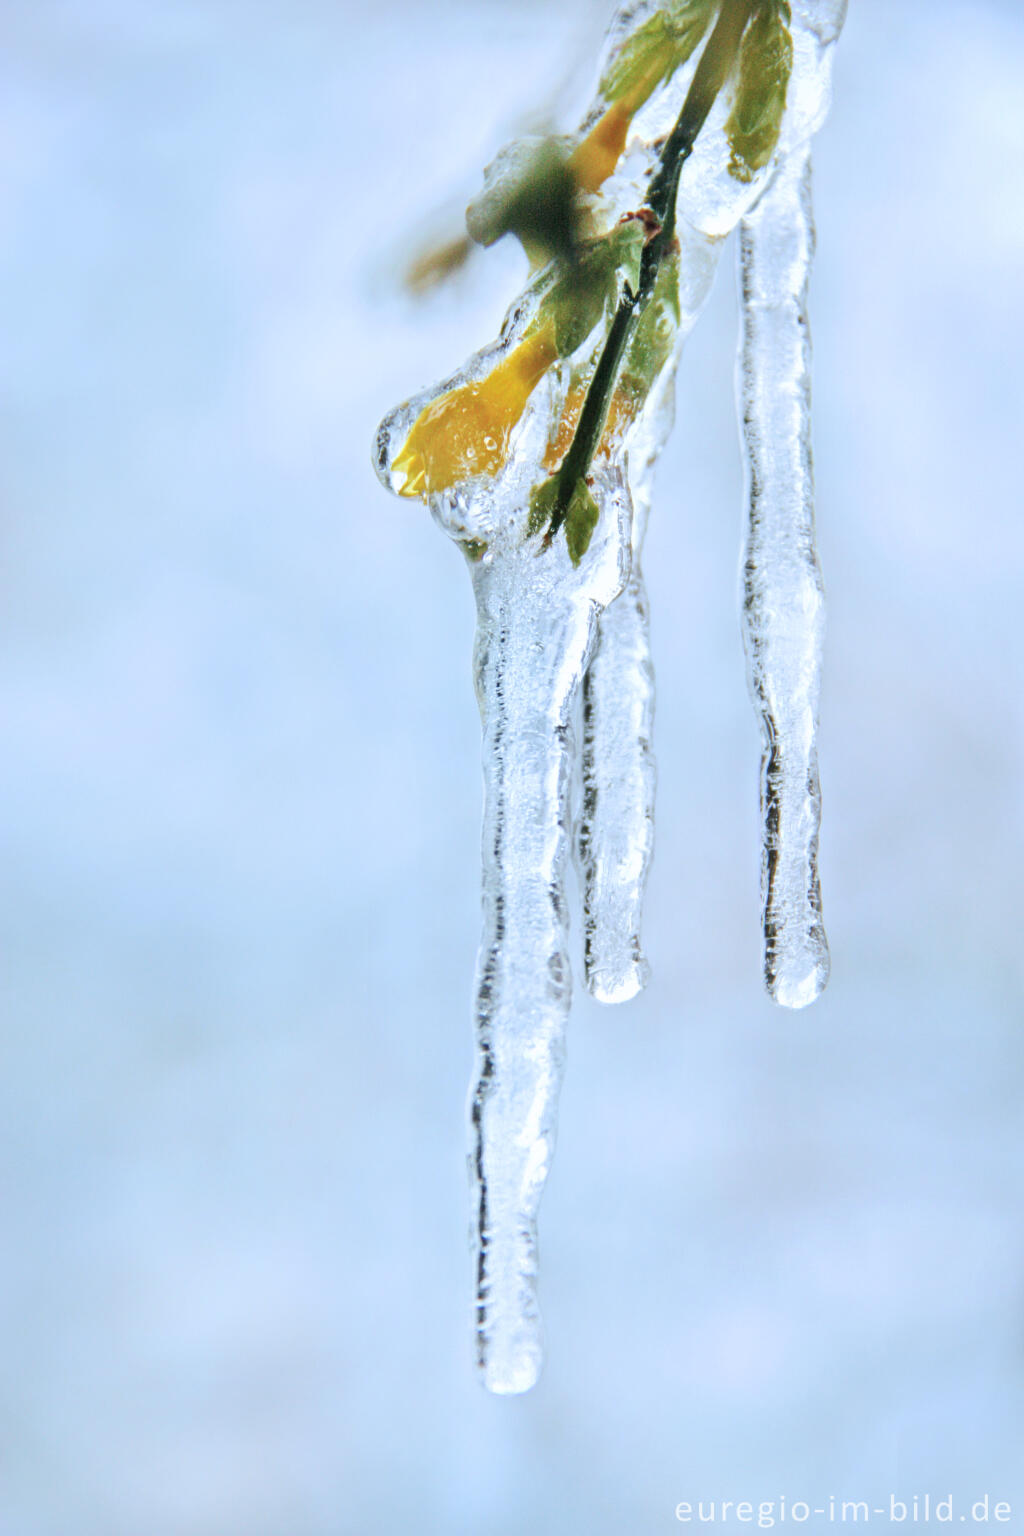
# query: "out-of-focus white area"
{"type": "Point", "coordinates": [239, 801]}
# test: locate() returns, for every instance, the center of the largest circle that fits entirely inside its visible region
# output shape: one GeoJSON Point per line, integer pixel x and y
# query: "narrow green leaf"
{"type": "Point", "coordinates": [532, 196]}
{"type": "Point", "coordinates": [543, 500]}
{"type": "Point", "coordinates": [627, 239]}
{"type": "Point", "coordinates": [654, 335]}
{"type": "Point", "coordinates": [580, 521]}
{"type": "Point", "coordinates": [766, 62]}
{"type": "Point", "coordinates": [655, 51]}
{"type": "Point", "coordinates": [575, 303]}
{"type": "Point", "coordinates": [580, 516]}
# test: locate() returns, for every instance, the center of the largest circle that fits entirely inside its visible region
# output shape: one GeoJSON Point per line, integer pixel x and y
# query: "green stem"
{"type": "Point", "coordinates": [710, 75]}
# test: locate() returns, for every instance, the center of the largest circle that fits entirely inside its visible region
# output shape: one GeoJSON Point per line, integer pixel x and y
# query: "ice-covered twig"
{"type": "Point", "coordinates": [718, 57]}
{"type": "Point", "coordinates": [783, 599]}
{"type": "Point", "coordinates": [615, 837]}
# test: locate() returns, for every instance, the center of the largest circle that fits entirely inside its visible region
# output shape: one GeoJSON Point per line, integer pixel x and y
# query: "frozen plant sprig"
{"type": "Point", "coordinates": [466, 431]}
{"type": "Point", "coordinates": [536, 458]}
{"type": "Point", "coordinates": [565, 497]}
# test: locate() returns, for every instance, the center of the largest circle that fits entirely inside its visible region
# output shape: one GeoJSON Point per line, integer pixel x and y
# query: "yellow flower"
{"type": "Point", "coordinates": [466, 432]}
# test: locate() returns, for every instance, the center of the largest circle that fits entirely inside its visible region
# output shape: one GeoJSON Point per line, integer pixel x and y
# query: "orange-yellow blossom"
{"type": "Point", "coordinates": [466, 432]}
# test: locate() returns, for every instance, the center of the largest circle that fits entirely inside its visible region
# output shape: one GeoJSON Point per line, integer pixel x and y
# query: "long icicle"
{"type": "Point", "coordinates": [783, 597]}
{"type": "Point", "coordinates": [526, 687]}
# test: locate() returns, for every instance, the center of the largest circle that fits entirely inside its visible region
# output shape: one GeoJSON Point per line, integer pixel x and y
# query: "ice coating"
{"type": "Point", "coordinates": [712, 199]}
{"type": "Point", "coordinates": [562, 621]}
{"type": "Point", "coordinates": [615, 837]}
{"type": "Point", "coordinates": [616, 833]}
{"type": "Point", "coordinates": [536, 627]}
{"type": "Point", "coordinates": [783, 599]}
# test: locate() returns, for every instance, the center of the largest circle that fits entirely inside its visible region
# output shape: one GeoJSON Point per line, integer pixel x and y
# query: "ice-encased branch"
{"type": "Point", "coordinates": [615, 837]}
{"type": "Point", "coordinates": [783, 598]}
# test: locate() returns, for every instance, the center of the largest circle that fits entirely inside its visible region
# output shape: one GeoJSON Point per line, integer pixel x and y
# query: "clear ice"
{"type": "Point", "coordinates": [783, 598]}
{"type": "Point", "coordinates": [562, 661]}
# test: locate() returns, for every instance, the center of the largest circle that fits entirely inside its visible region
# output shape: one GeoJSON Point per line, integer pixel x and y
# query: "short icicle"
{"type": "Point", "coordinates": [783, 598]}
{"type": "Point", "coordinates": [616, 831]}
{"type": "Point", "coordinates": [615, 836]}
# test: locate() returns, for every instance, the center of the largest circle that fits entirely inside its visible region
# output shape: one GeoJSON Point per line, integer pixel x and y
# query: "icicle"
{"type": "Point", "coordinates": [537, 622]}
{"type": "Point", "coordinates": [615, 837]}
{"type": "Point", "coordinates": [783, 600]}
{"type": "Point", "coordinates": [616, 832]}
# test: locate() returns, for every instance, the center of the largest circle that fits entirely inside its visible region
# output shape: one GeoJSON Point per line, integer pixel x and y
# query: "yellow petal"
{"type": "Point", "coordinates": [466, 432]}
{"type": "Point", "coordinates": [410, 465]}
{"type": "Point", "coordinates": [595, 157]}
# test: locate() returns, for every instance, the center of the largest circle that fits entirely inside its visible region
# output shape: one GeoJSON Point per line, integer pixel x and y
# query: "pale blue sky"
{"type": "Point", "coordinates": [239, 800]}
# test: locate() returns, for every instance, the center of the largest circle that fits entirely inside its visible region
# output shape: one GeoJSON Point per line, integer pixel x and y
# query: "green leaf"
{"type": "Point", "coordinates": [654, 336]}
{"type": "Point", "coordinates": [766, 62]}
{"type": "Point", "coordinates": [533, 196]}
{"type": "Point", "coordinates": [580, 521]}
{"type": "Point", "coordinates": [655, 51]}
{"type": "Point", "coordinates": [580, 515]}
{"type": "Point", "coordinates": [627, 240]}
{"type": "Point", "coordinates": [543, 501]}
{"type": "Point", "coordinates": [575, 303]}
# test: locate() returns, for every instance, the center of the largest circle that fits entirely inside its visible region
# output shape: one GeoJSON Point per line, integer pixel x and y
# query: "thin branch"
{"type": "Point", "coordinates": [711, 73]}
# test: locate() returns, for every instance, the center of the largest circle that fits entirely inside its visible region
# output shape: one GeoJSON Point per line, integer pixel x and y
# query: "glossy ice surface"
{"type": "Point", "coordinates": [783, 598]}
{"type": "Point", "coordinates": [561, 639]}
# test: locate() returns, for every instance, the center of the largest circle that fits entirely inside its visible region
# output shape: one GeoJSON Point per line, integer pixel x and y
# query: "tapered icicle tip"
{"type": "Point", "coordinates": [783, 598]}
{"type": "Point", "coordinates": [614, 837]}
{"type": "Point", "coordinates": [509, 1331]}
{"type": "Point", "coordinates": [799, 977]}
{"type": "Point", "coordinates": [618, 984]}
{"type": "Point", "coordinates": [511, 1357]}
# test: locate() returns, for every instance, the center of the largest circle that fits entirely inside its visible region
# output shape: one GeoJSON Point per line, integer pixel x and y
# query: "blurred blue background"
{"type": "Point", "coordinates": [239, 801]}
